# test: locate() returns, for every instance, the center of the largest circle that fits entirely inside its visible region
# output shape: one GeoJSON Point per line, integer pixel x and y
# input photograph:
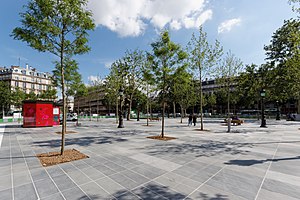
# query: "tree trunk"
{"type": "Point", "coordinates": [201, 101]}
{"type": "Point", "coordinates": [181, 114]}
{"type": "Point", "coordinates": [228, 112]}
{"type": "Point", "coordinates": [163, 120]}
{"type": "Point", "coordinates": [117, 107]}
{"type": "Point", "coordinates": [174, 109]}
{"type": "Point", "coordinates": [64, 125]}
{"type": "Point", "coordinates": [147, 106]}
{"type": "Point", "coordinates": [77, 123]}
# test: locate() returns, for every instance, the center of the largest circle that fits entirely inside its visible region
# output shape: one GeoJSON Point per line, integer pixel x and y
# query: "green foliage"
{"type": "Point", "coordinates": [283, 55]}
{"type": "Point", "coordinates": [59, 27]}
{"type": "Point", "coordinates": [31, 96]}
{"type": "Point", "coordinates": [202, 57]}
{"type": "Point", "coordinates": [18, 96]}
{"type": "Point", "coordinates": [166, 57]}
{"type": "Point", "coordinates": [49, 94]}
{"type": "Point", "coordinates": [248, 86]}
{"type": "Point", "coordinates": [5, 95]}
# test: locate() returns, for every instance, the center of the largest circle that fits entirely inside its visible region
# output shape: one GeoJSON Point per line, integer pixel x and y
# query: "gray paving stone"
{"type": "Point", "coordinates": [281, 188]}
{"type": "Point", "coordinates": [124, 181]}
{"type": "Point", "coordinates": [94, 191]}
{"type": "Point", "coordinates": [135, 177]}
{"type": "Point", "coordinates": [38, 174]}
{"type": "Point", "coordinates": [45, 187]}
{"type": "Point", "coordinates": [208, 192]}
{"type": "Point", "coordinates": [75, 193]}
{"type": "Point", "coordinates": [78, 177]}
{"type": "Point", "coordinates": [92, 173]}
{"type": "Point", "coordinates": [56, 196]}
{"type": "Point", "coordinates": [25, 192]}
{"type": "Point", "coordinates": [21, 178]}
{"type": "Point", "coordinates": [6, 194]}
{"type": "Point", "coordinates": [54, 171]}
{"type": "Point", "coordinates": [236, 183]}
{"type": "Point", "coordinates": [110, 185]}
{"type": "Point", "coordinates": [268, 195]}
{"type": "Point", "coordinates": [127, 196]}
{"type": "Point", "coordinates": [5, 182]}
{"type": "Point", "coordinates": [4, 171]}
{"type": "Point", "coordinates": [63, 182]}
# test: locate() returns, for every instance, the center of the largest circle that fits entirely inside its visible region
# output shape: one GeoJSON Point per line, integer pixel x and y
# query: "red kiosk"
{"type": "Point", "coordinates": [37, 113]}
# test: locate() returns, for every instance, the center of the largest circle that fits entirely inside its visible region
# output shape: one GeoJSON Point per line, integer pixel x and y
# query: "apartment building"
{"type": "Point", "coordinates": [27, 79]}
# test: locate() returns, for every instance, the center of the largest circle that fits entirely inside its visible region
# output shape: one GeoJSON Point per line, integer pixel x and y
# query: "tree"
{"type": "Point", "coordinates": [227, 74]}
{"type": "Point", "coordinates": [249, 85]}
{"type": "Point", "coordinates": [166, 57]}
{"type": "Point", "coordinates": [59, 27]}
{"type": "Point", "coordinates": [283, 55]}
{"type": "Point", "coordinates": [202, 57]}
{"type": "Point", "coordinates": [5, 96]}
{"type": "Point", "coordinates": [48, 94]}
{"type": "Point", "coordinates": [133, 60]}
{"type": "Point", "coordinates": [80, 91]}
{"type": "Point", "coordinates": [31, 96]}
{"type": "Point", "coordinates": [183, 90]}
{"type": "Point", "coordinates": [17, 96]}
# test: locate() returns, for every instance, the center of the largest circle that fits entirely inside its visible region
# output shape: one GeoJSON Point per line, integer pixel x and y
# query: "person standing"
{"type": "Point", "coordinates": [190, 120]}
{"type": "Point", "coordinates": [194, 119]}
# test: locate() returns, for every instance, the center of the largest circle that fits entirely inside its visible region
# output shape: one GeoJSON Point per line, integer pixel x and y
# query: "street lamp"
{"type": "Point", "coordinates": [277, 111]}
{"type": "Point", "coordinates": [121, 125]}
{"type": "Point", "coordinates": [263, 118]}
{"type": "Point", "coordinates": [138, 111]}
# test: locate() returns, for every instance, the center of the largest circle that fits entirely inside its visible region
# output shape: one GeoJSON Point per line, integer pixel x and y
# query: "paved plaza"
{"type": "Point", "coordinates": [248, 163]}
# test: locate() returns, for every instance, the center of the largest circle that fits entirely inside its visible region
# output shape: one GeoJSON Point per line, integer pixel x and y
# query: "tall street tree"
{"type": "Point", "coordinates": [202, 56]}
{"type": "Point", "coordinates": [283, 56]}
{"type": "Point", "coordinates": [227, 74]}
{"type": "Point", "coordinates": [59, 27]}
{"type": "Point", "coordinates": [167, 56]}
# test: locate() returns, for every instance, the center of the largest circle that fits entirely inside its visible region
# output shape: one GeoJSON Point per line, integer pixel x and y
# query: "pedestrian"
{"type": "Point", "coordinates": [190, 120]}
{"type": "Point", "coordinates": [194, 119]}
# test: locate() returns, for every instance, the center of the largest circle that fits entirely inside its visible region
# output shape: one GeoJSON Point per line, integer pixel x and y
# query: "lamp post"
{"type": "Point", "coordinates": [263, 118]}
{"type": "Point", "coordinates": [138, 111]}
{"type": "Point", "coordinates": [277, 111]}
{"type": "Point", "coordinates": [121, 125]}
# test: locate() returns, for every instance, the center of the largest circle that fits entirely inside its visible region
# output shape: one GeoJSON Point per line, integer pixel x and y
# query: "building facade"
{"type": "Point", "coordinates": [27, 79]}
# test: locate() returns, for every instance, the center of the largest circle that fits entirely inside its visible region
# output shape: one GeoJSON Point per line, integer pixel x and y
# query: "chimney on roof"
{"type": "Point", "coordinates": [26, 66]}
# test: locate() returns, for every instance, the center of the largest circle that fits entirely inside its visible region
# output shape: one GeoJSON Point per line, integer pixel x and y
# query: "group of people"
{"type": "Point", "coordinates": [192, 120]}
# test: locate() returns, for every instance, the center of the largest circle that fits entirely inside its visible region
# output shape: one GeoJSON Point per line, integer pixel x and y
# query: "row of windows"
{"type": "Point", "coordinates": [33, 86]}
{"type": "Point", "coordinates": [32, 79]}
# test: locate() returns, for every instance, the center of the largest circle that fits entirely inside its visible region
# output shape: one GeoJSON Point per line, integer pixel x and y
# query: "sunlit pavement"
{"type": "Point", "coordinates": [248, 163]}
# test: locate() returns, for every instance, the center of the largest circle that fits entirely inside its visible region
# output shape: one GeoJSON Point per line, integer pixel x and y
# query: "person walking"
{"type": "Point", "coordinates": [194, 119]}
{"type": "Point", "coordinates": [190, 120]}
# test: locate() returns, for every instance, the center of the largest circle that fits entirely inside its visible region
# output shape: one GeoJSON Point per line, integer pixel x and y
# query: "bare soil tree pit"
{"type": "Point", "coordinates": [158, 137]}
{"type": "Point", "coordinates": [54, 158]}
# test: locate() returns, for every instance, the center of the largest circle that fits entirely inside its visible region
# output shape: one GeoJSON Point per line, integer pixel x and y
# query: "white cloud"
{"type": "Point", "coordinates": [227, 25]}
{"type": "Point", "coordinates": [131, 17]}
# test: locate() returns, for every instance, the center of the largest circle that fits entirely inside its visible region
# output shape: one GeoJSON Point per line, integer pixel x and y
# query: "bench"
{"type": "Point", "coordinates": [154, 119]}
{"type": "Point", "coordinates": [235, 121]}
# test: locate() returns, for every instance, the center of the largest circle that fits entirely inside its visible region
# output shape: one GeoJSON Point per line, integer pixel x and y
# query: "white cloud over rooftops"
{"type": "Point", "coordinates": [131, 17]}
{"type": "Point", "coordinates": [227, 25]}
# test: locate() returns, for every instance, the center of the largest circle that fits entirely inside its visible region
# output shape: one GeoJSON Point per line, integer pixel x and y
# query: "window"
{"type": "Point", "coordinates": [32, 86]}
{"type": "Point", "coordinates": [24, 85]}
{"type": "Point", "coordinates": [17, 84]}
{"type": "Point", "coordinates": [24, 78]}
{"type": "Point", "coordinates": [41, 87]}
{"type": "Point", "coordinates": [16, 77]}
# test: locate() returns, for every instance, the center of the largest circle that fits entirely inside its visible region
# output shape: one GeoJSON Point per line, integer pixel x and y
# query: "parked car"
{"type": "Point", "coordinates": [70, 117]}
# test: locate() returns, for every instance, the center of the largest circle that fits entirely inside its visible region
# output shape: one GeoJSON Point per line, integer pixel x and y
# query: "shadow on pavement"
{"type": "Point", "coordinates": [80, 141]}
{"type": "Point", "coordinates": [255, 162]}
{"type": "Point", "coordinates": [204, 148]}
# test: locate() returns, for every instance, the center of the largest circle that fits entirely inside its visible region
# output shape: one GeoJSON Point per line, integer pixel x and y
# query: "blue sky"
{"type": "Point", "coordinates": [242, 26]}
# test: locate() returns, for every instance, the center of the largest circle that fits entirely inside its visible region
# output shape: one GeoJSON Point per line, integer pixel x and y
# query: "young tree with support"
{"type": "Point", "coordinates": [59, 27]}
{"type": "Point", "coordinates": [202, 56]}
{"type": "Point", "coordinates": [167, 56]}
